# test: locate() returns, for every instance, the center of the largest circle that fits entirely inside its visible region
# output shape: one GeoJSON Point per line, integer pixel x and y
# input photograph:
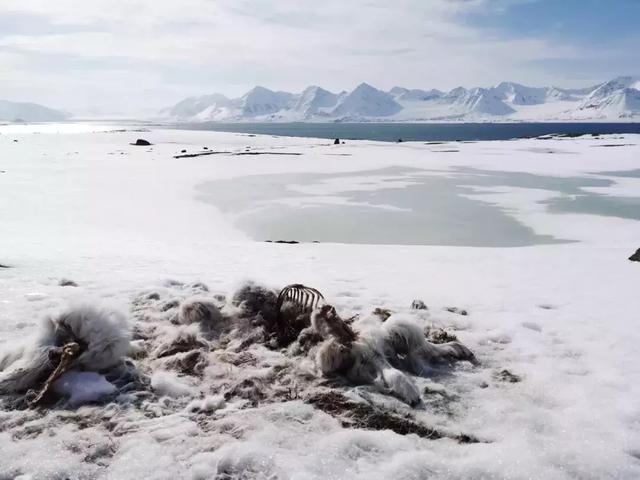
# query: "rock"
{"type": "Point", "coordinates": [141, 142]}
{"type": "Point", "coordinates": [418, 305]}
{"type": "Point", "coordinates": [336, 141]}
{"type": "Point", "coordinates": [636, 256]}
{"type": "Point", "coordinates": [2, 265]}
{"type": "Point", "coordinates": [287, 242]}
{"type": "Point", "coordinates": [183, 151]}
{"type": "Point", "coordinates": [65, 282]}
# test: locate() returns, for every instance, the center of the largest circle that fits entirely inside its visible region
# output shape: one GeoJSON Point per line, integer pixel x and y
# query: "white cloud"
{"type": "Point", "coordinates": [151, 53]}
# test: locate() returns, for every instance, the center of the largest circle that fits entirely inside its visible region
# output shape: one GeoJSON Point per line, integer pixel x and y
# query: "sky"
{"type": "Point", "coordinates": [134, 57]}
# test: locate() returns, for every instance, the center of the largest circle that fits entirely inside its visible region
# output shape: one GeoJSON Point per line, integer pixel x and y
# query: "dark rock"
{"type": "Point", "coordinates": [336, 141]}
{"type": "Point", "coordinates": [183, 151]}
{"type": "Point", "coordinates": [399, 140]}
{"type": "Point", "coordinates": [205, 148]}
{"type": "Point", "coordinates": [418, 305]}
{"type": "Point", "coordinates": [141, 142]}
{"type": "Point", "coordinates": [65, 282]}
{"type": "Point", "coordinates": [288, 242]}
{"type": "Point", "coordinates": [4, 266]}
{"type": "Point", "coordinates": [636, 256]}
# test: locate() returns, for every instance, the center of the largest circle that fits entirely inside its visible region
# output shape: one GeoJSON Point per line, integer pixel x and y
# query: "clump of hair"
{"type": "Point", "coordinates": [258, 302]}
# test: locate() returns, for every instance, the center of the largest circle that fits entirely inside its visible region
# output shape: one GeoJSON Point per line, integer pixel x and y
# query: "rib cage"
{"type": "Point", "coordinates": [307, 298]}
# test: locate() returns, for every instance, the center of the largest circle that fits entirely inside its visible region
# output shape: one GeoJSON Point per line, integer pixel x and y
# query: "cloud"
{"type": "Point", "coordinates": [142, 54]}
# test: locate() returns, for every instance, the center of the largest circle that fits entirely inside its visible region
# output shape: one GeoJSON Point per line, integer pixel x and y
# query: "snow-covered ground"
{"type": "Point", "coordinates": [121, 220]}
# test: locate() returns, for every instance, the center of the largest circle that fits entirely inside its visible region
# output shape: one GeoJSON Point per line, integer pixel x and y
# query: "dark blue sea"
{"type": "Point", "coordinates": [428, 132]}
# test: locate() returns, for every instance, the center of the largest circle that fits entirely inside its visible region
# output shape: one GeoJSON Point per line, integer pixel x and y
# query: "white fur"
{"type": "Point", "coordinates": [380, 355]}
{"type": "Point", "coordinates": [401, 385]}
{"type": "Point", "coordinates": [102, 333]}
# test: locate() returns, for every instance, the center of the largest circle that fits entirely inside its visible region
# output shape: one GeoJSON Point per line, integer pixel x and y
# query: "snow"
{"type": "Point", "coordinates": [121, 220]}
{"type": "Point", "coordinates": [83, 387]}
{"type": "Point", "coordinates": [615, 100]}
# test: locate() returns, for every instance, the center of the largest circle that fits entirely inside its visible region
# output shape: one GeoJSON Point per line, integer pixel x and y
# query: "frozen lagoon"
{"type": "Point", "coordinates": [402, 206]}
{"type": "Point", "coordinates": [120, 220]}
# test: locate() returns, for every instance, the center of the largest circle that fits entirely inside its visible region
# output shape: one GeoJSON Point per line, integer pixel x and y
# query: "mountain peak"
{"type": "Point", "coordinates": [367, 101]}
{"type": "Point", "coordinates": [365, 87]}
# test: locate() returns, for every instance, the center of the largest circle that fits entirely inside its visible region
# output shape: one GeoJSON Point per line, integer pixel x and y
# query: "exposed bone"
{"type": "Point", "coordinates": [307, 298]}
{"type": "Point", "coordinates": [69, 353]}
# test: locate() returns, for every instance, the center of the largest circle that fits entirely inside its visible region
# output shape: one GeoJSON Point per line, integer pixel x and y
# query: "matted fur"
{"type": "Point", "coordinates": [380, 356]}
{"type": "Point", "coordinates": [201, 311]}
{"type": "Point", "coordinates": [103, 335]}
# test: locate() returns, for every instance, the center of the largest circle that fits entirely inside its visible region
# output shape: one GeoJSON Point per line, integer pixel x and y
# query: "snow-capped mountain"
{"type": "Point", "coordinates": [618, 99]}
{"type": "Point", "coordinates": [481, 101]}
{"type": "Point", "coordinates": [401, 93]}
{"type": "Point", "coordinates": [192, 106]}
{"type": "Point", "coordinates": [366, 101]}
{"type": "Point", "coordinates": [261, 101]}
{"type": "Point", "coordinates": [316, 101]}
{"type": "Point", "coordinates": [29, 112]}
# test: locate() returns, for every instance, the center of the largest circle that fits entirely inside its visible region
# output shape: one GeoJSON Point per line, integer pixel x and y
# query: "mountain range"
{"type": "Point", "coordinates": [29, 112]}
{"type": "Point", "coordinates": [615, 100]}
